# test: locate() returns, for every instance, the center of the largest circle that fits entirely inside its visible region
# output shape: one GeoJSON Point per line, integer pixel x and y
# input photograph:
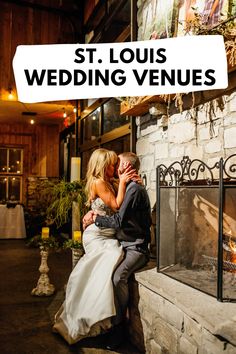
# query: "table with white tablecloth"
{"type": "Point", "coordinates": [12, 222]}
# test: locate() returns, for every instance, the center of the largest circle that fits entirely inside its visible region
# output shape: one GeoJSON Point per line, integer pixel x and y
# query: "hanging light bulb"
{"type": "Point", "coordinates": [10, 95]}
{"type": "Point", "coordinates": [32, 121]}
{"type": "Point", "coordinates": [74, 109]}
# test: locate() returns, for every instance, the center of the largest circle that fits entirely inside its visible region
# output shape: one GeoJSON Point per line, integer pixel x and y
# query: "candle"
{"type": "Point", "coordinates": [75, 169]}
{"type": "Point", "coordinates": [77, 236]}
{"type": "Point", "coordinates": [45, 232]}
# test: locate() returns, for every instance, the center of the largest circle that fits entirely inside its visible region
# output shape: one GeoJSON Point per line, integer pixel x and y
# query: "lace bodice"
{"type": "Point", "coordinates": [99, 206]}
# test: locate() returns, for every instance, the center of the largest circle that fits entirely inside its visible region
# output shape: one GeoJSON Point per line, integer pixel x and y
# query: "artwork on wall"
{"type": "Point", "coordinates": [207, 13]}
{"type": "Point", "coordinates": [159, 19]}
{"type": "Point", "coordinates": [165, 18]}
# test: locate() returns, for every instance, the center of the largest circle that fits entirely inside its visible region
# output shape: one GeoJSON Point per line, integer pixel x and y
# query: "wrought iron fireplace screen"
{"type": "Point", "coordinates": [196, 225]}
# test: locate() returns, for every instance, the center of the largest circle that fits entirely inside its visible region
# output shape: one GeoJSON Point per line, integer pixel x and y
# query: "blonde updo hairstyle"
{"type": "Point", "coordinates": [98, 162]}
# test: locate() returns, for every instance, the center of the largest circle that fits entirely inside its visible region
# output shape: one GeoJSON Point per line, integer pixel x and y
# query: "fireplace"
{"type": "Point", "coordinates": [196, 225]}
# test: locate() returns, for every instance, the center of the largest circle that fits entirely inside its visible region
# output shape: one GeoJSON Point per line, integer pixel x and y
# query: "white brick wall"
{"type": "Point", "coordinates": [213, 146]}
{"type": "Point", "coordinates": [182, 132]}
{"type": "Point", "coordinates": [230, 137]}
{"type": "Point", "coordinates": [207, 141]}
{"type": "Point", "coordinates": [161, 151]}
{"type": "Point", "coordinates": [176, 151]}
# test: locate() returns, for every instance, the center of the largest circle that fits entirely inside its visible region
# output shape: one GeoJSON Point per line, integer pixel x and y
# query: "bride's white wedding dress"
{"type": "Point", "coordinates": [89, 302]}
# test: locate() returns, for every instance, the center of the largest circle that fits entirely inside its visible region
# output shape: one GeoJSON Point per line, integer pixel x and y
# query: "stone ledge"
{"type": "Point", "coordinates": [216, 317]}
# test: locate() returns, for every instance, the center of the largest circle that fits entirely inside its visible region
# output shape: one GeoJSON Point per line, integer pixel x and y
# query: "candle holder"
{"type": "Point", "coordinates": [77, 253]}
{"type": "Point", "coordinates": [43, 288]}
{"type": "Point", "coordinates": [77, 250]}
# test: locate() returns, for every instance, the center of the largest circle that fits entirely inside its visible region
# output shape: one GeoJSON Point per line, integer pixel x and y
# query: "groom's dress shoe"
{"type": "Point", "coordinates": [115, 338]}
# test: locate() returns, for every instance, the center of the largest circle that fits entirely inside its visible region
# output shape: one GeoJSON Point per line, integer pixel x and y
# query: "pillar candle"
{"type": "Point", "coordinates": [45, 232]}
{"type": "Point", "coordinates": [77, 236]}
{"type": "Point", "coordinates": [75, 169]}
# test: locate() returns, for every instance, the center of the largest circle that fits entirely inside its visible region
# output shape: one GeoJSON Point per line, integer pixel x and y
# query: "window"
{"type": "Point", "coordinates": [11, 169]}
{"type": "Point", "coordinates": [118, 145]}
{"type": "Point", "coordinates": [85, 159]}
{"type": "Point", "coordinates": [91, 126]}
{"type": "Point", "coordinates": [103, 126]}
{"type": "Point", "coordinates": [112, 118]}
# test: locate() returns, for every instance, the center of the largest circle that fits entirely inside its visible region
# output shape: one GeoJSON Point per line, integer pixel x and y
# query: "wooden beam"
{"type": "Point", "coordinates": [202, 97]}
{"type": "Point", "coordinates": [55, 10]}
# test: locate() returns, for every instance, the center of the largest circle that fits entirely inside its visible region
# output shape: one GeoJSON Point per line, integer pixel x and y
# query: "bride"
{"type": "Point", "coordinates": [89, 301]}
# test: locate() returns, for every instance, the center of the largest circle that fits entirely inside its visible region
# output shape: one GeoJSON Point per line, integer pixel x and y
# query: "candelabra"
{"type": "Point", "coordinates": [43, 288]}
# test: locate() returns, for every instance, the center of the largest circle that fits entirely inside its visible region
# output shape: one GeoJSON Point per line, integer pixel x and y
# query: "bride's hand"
{"type": "Point", "coordinates": [129, 174]}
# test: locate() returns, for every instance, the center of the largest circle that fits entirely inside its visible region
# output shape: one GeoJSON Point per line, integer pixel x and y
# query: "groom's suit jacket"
{"type": "Point", "coordinates": [133, 220]}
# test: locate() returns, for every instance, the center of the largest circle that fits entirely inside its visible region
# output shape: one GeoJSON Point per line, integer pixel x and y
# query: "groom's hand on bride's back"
{"type": "Point", "coordinates": [88, 218]}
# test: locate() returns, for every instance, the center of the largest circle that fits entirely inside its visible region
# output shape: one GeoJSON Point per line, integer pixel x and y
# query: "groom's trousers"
{"type": "Point", "coordinates": [133, 260]}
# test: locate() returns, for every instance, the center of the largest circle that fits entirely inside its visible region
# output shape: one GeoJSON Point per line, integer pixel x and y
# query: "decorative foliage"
{"type": "Point", "coordinates": [44, 244]}
{"type": "Point", "coordinates": [73, 244]}
{"type": "Point", "coordinates": [225, 28]}
{"type": "Point", "coordinates": [228, 31]}
{"type": "Point", "coordinates": [60, 197]}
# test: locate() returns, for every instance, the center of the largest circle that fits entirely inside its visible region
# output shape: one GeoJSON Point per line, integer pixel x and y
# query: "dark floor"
{"type": "Point", "coordinates": [25, 320]}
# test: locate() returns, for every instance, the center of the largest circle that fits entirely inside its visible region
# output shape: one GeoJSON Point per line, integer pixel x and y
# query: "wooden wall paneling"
{"type": "Point", "coordinates": [88, 9]}
{"type": "Point", "coordinates": [44, 27]}
{"type": "Point", "coordinates": [34, 154]}
{"type": "Point", "coordinates": [37, 25]}
{"type": "Point", "coordinates": [54, 29]}
{"type": "Point", "coordinates": [43, 146]}
{"type": "Point", "coordinates": [53, 151]}
{"type": "Point", "coordinates": [41, 156]}
{"type": "Point", "coordinates": [1, 52]}
{"type": "Point", "coordinates": [55, 23]}
{"type": "Point", "coordinates": [20, 26]}
{"type": "Point", "coordinates": [5, 38]}
{"type": "Point", "coordinates": [26, 154]}
{"type": "Point", "coordinates": [30, 22]}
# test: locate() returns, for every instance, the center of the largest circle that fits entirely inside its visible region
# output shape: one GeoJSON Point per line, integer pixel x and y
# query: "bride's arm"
{"type": "Point", "coordinates": [102, 190]}
{"type": "Point", "coordinates": [108, 197]}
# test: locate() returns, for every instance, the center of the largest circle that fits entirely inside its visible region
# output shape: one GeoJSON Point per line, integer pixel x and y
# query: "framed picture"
{"type": "Point", "coordinates": [159, 19]}
{"type": "Point", "coordinates": [208, 13]}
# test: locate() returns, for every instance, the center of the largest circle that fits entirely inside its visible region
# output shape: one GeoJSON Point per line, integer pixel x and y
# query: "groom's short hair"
{"type": "Point", "coordinates": [132, 158]}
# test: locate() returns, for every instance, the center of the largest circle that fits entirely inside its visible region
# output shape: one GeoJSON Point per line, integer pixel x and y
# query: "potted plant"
{"type": "Point", "coordinates": [60, 198]}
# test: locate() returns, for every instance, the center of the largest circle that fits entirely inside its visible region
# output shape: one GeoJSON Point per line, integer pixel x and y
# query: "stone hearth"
{"type": "Point", "coordinates": [170, 317]}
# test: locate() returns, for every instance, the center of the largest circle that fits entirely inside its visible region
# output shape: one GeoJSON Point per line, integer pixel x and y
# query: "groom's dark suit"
{"type": "Point", "coordinates": [132, 223]}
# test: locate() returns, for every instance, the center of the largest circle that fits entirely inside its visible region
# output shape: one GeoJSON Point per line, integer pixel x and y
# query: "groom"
{"type": "Point", "coordinates": [132, 222]}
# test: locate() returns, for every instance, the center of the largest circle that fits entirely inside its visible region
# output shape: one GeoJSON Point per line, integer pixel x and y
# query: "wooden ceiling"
{"type": "Point", "coordinates": [27, 22]}
{"type": "Point", "coordinates": [34, 22]}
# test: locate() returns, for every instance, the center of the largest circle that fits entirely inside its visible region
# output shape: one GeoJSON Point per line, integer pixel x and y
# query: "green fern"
{"type": "Point", "coordinates": [59, 199]}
